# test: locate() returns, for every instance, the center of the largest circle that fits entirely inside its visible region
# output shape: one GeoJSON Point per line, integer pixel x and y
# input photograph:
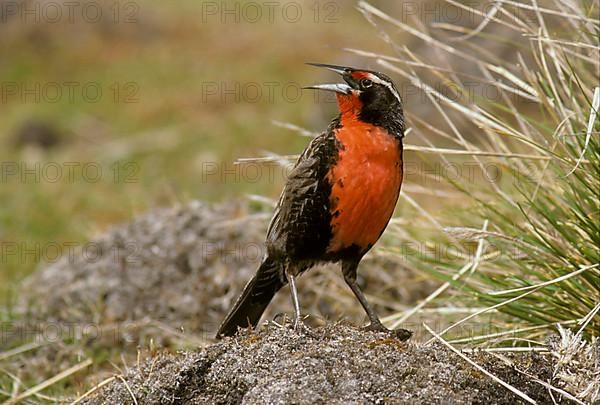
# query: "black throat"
{"type": "Point", "coordinates": [383, 112]}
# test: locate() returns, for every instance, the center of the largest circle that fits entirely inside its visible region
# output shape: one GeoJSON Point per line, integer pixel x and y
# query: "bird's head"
{"type": "Point", "coordinates": [366, 95]}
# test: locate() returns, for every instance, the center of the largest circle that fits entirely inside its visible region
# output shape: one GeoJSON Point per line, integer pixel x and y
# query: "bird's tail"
{"type": "Point", "coordinates": [253, 301]}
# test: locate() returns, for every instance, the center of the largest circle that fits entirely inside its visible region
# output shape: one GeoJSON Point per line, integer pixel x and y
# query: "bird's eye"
{"type": "Point", "coordinates": [366, 83]}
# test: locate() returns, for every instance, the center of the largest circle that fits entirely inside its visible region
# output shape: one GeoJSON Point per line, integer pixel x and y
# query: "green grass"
{"type": "Point", "coordinates": [540, 248]}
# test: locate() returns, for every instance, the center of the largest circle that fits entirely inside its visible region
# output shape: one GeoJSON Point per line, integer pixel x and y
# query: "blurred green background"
{"type": "Point", "coordinates": [182, 85]}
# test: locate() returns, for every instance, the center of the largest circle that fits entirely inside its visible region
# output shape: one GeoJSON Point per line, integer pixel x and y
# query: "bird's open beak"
{"type": "Point", "coordinates": [342, 88]}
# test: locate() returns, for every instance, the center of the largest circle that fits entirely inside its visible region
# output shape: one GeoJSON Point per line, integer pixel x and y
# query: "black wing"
{"type": "Point", "coordinates": [300, 229]}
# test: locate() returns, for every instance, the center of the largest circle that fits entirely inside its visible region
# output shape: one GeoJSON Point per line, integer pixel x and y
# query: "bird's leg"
{"type": "Point", "coordinates": [292, 280]}
{"type": "Point", "coordinates": [349, 270]}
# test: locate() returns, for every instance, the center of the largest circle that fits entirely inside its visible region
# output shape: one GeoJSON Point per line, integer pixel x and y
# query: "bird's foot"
{"type": "Point", "coordinates": [301, 328]}
{"type": "Point", "coordinates": [279, 319]}
{"type": "Point", "coordinates": [282, 320]}
{"type": "Point", "coordinates": [298, 324]}
{"type": "Point", "coordinates": [400, 334]}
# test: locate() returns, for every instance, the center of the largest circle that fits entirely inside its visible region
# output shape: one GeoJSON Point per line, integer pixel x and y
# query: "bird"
{"type": "Point", "coordinates": [337, 200]}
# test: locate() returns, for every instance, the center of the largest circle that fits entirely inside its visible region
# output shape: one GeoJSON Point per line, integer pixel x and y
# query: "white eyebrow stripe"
{"type": "Point", "coordinates": [376, 79]}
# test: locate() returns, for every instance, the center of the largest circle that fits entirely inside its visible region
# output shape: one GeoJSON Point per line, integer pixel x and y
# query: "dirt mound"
{"type": "Point", "coordinates": [178, 267]}
{"type": "Point", "coordinates": [332, 364]}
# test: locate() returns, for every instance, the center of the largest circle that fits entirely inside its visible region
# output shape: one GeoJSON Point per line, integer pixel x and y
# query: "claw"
{"type": "Point", "coordinates": [300, 326]}
{"type": "Point", "coordinates": [400, 334]}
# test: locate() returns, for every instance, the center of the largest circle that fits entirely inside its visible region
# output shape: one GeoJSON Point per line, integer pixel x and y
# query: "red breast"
{"type": "Point", "coordinates": [365, 180]}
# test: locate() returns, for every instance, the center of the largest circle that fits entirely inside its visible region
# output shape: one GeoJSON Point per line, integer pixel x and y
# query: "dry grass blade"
{"type": "Point", "coordinates": [585, 321]}
{"type": "Point", "coordinates": [590, 127]}
{"type": "Point", "coordinates": [94, 389]}
{"type": "Point", "coordinates": [422, 210]}
{"type": "Point", "coordinates": [429, 298]}
{"type": "Point", "coordinates": [477, 116]}
{"type": "Point", "coordinates": [368, 9]}
{"type": "Point", "coordinates": [537, 380]}
{"type": "Point", "coordinates": [51, 381]}
{"type": "Point", "coordinates": [484, 311]}
{"type": "Point", "coordinates": [21, 349]}
{"type": "Point", "coordinates": [120, 377]}
{"type": "Point", "coordinates": [472, 266]}
{"type": "Point", "coordinates": [478, 367]}
{"type": "Point", "coordinates": [296, 128]}
{"type": "Point", "coordinates": [530, 93]}
{"type": "Point", "coordinates": [266, 159]}
{"type": "Point", "coordinates": [544, 284]}
{"type": "Point", "coordinates": [521, 27]}
{"type": "Point", "coordinates": [569, 43]}
{"type": "Point", "coordinates": [548, 11]}
{"type": "Point", "coordinates": [462, 152]}
{"type": "Point", "coordinates": [482, 25]}
{"type": "Point", "coordinates": [517, 349]}
{"type": "Point", "coordinates": [490, 336]}
{"type": "Point", "coordinates": [17, 382]}
{"type": "Point", "coordinates": [418, 148]}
